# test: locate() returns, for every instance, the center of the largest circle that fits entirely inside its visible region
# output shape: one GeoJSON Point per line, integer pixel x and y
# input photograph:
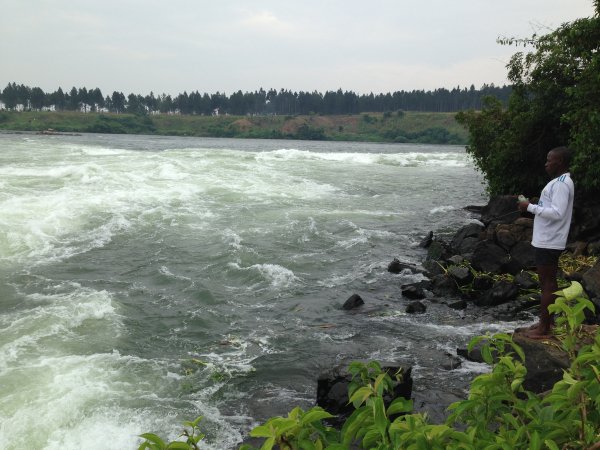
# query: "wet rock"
{"type": "Point", "coordinates": [501, 292]}
{"type": "Point", "coordinates": [332, 390]}
{"type": "Point", "coordinates": [500, 209]}
{"type": "Point", "coordinates": [427, 240]}
{"type": "Point", "coordinates": [575, 276]}
{"type": "Point", "coordinates": [468, 245]}
{"type": "Point", "coordinates": [474, 355]}
{"type": "Point", "coordinates": [396, 266]}
{"type": "Point", "coordinates": [591, 280]}
{"type": "Point", "coordinates": [471, 230]}
{"type": "Point", "coordinates": [438, 251]}
{"type": "Point", "coordinates": [545, 363]}
{"type": "Point", "coordinates": [593, 248]}
{"type": "Point", "coordinates": [488, 257]}
{"type": "Point", "coordinates": [461, 275]}
{"type": "Point", "coordinates": [474, 208]}
{"type": "Point", "coordinates": [416, 308]}
{"type": "Point", "coordinates": [505, 238]}
{"type": "Point", "coordinates": [524, 222]}
{"type": "Point", "coordinates": [413, 292]}
{"type": "Point", "coordinates": [354, 301]}
{"type": "Point", "coordinates": [525, 281]}
{"type": "Point", "coordinates": [521, 258]}
{"type": "Point", "coordinates": [460, 304]}
{"type": "Point", "coordinates": [515, 309]}
{"type": "Point", "coordinates": [433, 268]}
{"type": "Point", "coordinates": [457, 260]}
{"type": "Point", "coordinates": [482, 283]}
{"type": "Point", "coordinates": [590, 317]}
{"type": "Point", "coordinates": [585, 225]}
{"type": "Point", "coordinates": [580, 248]}
{"type": "Point", "coordinates": [507, 235]}
{"type": "Point", "coordinates": [452, 363]}
{"type": "Point", "coordinates": [443, 286]}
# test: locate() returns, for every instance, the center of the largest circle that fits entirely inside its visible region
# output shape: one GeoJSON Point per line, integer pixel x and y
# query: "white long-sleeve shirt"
{"type": "Point", "coordinates": [553, 214]}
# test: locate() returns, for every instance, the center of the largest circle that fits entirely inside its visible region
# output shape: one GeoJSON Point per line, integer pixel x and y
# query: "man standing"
{"type": "Point", "coordinates": [550, 231]}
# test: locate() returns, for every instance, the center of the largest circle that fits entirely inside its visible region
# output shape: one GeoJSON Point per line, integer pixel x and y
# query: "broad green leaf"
{"type": "Point", "coordinates": [476, 340]}
{"type": "Point", "coordinates": [378, 381]}
{"type": "Point", "coordinates": [262, 431]}
{"type": "Point", "coordinates": [178, 446]}
{"type": "Point", "coordinates": [268, 444]}
{"type": "Point", "coordinates": [575, 389]}
{"type": "Point", "coordinates": [535, 442]}
{"type": "Point", "coordinates": [354, 423]}
{"type": "Point", "coordinates": [360, 396]}
{"type": "Point", "coordinates": [551, 445]}
{"type": "Point", "coordinates": [400, 405]}
{"type": "Point", "coordinates": [371, 438]}
{"type": "Point", "coordinates": [154, 439]}
{"type": "Point", "coordinates": [572, 292]}
{"type": "Point", "coordinates": [381, 421]}
{"type": "Point", "coordinates": [486, 354]}
{"type": "Point", "coordinates": [314, 415]}
{"type": "Point", "coordinates": [517, 348]}
{"type": "Point", "coordinates": [305, 444]}
{"type": "Point", "coordinates": [516, 384]}
{"type": "Point", "coordinates": [567, 378]}
{"type": "Point", "coordinates": [295, 413]}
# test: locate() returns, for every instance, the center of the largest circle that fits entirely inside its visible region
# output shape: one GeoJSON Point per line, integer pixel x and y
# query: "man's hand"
{"type": "Point", "coordinates": [523, 205]}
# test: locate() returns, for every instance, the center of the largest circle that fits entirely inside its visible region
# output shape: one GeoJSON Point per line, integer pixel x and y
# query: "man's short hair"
{"type": "Point", "coordinates": [564, 153]}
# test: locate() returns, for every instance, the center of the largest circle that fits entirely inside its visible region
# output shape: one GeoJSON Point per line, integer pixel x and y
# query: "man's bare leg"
{"type": "Point", "coordinates": [548, 285]}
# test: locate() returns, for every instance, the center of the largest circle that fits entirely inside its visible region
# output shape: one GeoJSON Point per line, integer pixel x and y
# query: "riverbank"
{"type": "Point", "coordinates": [400, 127]}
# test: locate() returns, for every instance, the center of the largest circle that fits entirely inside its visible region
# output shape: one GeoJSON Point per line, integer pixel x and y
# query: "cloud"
{"type": "Point", "coordinates": [266, 22]}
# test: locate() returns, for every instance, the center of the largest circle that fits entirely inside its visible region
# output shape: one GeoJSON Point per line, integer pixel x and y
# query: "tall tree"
{"type": "Point", "coordinates": [37, 98]}
{"type": "Point", "coordinates": [118, 102]}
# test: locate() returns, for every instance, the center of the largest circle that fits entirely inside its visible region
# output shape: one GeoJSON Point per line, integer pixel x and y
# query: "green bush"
{"type": "Point", "coordinates": [555, 101]}
{"type": "Point", "coordinates": [124, 123]}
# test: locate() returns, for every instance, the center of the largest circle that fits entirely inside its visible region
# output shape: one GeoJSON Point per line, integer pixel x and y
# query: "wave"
{"type": "Point", "coordinates": [277, 277]}
{"type": "Point", "coordinates": [410, 159]}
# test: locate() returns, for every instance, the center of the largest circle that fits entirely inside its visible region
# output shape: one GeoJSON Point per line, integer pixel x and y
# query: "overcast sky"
{"type": "Point", "coordinates": [138, 46]}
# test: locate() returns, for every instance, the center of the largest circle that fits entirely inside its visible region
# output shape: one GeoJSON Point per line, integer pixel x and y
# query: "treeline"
{"type": "Point", "coordinates": [21, 97]}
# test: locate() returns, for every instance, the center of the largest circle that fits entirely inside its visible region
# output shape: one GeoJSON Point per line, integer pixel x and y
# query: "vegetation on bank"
{"type": "Point", "coordinates": [498, 413]}
{"type": "Point", "coordinates": [403, 127]}
{"type": "Point", "coordinates": [555, 101]}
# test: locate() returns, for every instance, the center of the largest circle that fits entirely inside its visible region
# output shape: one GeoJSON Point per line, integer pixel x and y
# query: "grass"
{"type": "Point", "coordinates": [416, 127]}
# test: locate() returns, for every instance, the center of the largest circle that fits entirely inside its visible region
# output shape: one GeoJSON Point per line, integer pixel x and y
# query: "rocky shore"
{"type": "Point", "coordinates": [489, 264]}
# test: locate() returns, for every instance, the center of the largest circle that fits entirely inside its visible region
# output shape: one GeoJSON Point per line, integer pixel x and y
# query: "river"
{"type": "Point", "coordinates": [147, 280]}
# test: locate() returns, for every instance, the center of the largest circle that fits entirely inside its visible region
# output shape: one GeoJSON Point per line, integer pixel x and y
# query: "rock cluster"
{"type": "Point", "coordinates": [469, 268]}
{"type": "Point", "coordinates": [501, 244]}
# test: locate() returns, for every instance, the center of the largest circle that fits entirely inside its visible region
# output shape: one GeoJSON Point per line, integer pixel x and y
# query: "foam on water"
{"type": "Point", "coordinates": [410, 159]}
{"type": "Point", "coordinates": [277, 277]}
{"type": "Point", "coordinates": [441, 209]}
{"type": "Point", "coordinates": [51, 319]}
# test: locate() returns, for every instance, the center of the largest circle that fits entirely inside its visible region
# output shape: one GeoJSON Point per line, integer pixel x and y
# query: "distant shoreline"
{"type": "Point", "coordinates": [399, 127]}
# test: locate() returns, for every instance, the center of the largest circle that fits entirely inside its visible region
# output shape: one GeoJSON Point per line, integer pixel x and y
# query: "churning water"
{"type": "Point", "coordinates": [147, 280]}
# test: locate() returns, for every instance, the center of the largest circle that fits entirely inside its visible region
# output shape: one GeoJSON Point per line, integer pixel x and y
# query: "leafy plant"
{"type": "Point", "coordinates": [193, 437]}
{"type": "Point", "coordinates": [554, 101]}
{"type": "Point", "coordinates": [299, 430]}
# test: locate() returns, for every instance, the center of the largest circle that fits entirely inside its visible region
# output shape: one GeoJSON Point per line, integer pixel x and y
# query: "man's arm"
{"type": "Point", "coordinates": [558, 208]}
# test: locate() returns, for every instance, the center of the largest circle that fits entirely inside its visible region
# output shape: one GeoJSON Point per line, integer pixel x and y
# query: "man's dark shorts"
{"type": "Point", "coordinates": [546, 256]}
